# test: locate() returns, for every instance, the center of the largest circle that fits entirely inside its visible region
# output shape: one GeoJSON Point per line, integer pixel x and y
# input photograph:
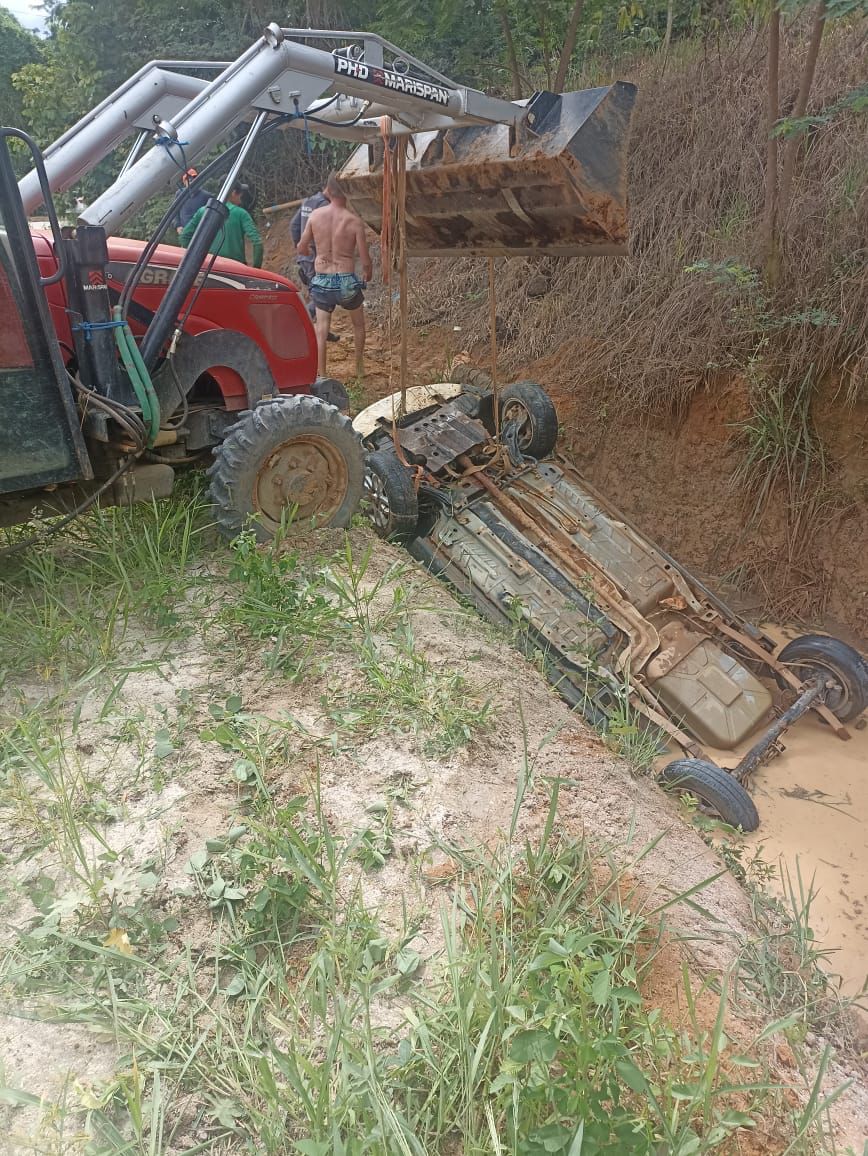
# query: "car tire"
{"type": "Point", "coordinates": [714, 787]}
{"type": "Point", "coordinates": [530, 406]}
{"type": "Point", "coordinates": [390, 500]}
{"type": "Point", "coordinates": [814, 654]}
{"type": "Point", "coordinates": [289, 452]}
{"type": "Point", "coordinates": [332, 392]}
{"type": "Point", "coordinates": [475, 381]}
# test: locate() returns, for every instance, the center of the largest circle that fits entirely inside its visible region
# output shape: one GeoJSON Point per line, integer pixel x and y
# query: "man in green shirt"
{"type": "Point", "coordinates": [229, 242]}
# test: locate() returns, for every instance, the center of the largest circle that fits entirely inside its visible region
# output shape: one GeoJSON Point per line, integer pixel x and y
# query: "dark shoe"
{"type": "Point", "coordinates": [333, 337]}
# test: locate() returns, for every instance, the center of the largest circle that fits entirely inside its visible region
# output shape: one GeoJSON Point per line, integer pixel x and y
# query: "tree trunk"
{"type": "Point", "coordinates": [667, 37]}
{"type": "Point", "coordinates": [792, 146]}
{"type": "Point", "coordinates": [770, 216]}
{"type": "Point", "coordinates": [546, 47]}
{"type": "Point", "coordinates": [511, 57]}
{"type": "Point", "coordinates": [569, 45]}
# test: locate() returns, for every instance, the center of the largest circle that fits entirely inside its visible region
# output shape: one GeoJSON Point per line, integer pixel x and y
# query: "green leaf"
{"type": "Point", "coordinates": [627, 995]}
{"type": "Point", "coordinates": [226, 1112]}
{"type": "Point", "coordinates": [233, 704]}
{"type": "Point", "coordinates": [197, 861]}
{"type": "Point", "coordinates": [735, 1119]}
{"type": "Point", "coordinates": [407, 961]}
{"type": "Point", "coordinates": [224, 735]}
{"type": "Point", "coordinates": [552, 1137]}
{"type": "Point", "coordinates": [268, 1082]}
{"type": "Point", "coordinates": [163, 745]}
{"type": "Point", "coordinates": [235, 986]}
{"type": "Point", "coordinates": [578, 1141]}
{"type": "Point", "coordinates": [244, 770]}
{"type": "Point", "coordinates": [216, 846]}
{"type": "Point", "coordinates": [686, 1091]}
{"type": "Point", "coordinates": [15, 1097]}
{"type": "Point", "coordinates": [631, 1075]}
{"type": "Point", "coordinates": [601, 988]}
{"type": "Point", "coordinates": [533, 1044]}
{"type": "Point", "coordinates": [689, 1146]}
{"type": "Point", "coordinates": [312, 1147]}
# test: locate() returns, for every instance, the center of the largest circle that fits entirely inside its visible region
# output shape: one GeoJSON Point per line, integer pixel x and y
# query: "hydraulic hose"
{"type": "Point", "coordinates": [139, 377]}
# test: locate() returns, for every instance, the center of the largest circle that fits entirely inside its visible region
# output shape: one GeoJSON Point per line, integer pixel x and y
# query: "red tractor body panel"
{"type": "Point", "coordinates": [263, 306]}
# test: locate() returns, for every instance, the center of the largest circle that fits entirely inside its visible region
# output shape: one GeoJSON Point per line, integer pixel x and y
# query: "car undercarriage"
{"type": "Point", "coordinates": [468, 479]}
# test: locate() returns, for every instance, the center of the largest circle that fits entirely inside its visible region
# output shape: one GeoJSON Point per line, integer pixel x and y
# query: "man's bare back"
{"type": "Point", "coordinates": [339, 237]}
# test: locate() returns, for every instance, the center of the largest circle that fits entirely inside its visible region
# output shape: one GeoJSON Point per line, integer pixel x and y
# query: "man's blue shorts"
{"type": "Point", "coordinates": [328, 290]}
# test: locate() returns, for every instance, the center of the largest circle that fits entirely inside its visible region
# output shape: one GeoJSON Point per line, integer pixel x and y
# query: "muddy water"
{"type": "Point", "coordinates": [813, 805]}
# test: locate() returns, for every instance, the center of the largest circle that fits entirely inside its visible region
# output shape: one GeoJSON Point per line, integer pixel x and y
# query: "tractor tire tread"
{"type": "Point", "coordinates": [236, 460]}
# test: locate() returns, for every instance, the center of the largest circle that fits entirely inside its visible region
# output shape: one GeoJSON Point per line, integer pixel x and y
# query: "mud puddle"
{"type": "Point", "coordinates": [813, 805]}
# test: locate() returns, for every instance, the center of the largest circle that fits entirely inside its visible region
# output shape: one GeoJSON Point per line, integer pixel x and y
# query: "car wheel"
{"type": "Point", "coordinates": [390, 498]}
{"type": "Point", "coordinates": [714, 787]}
{"type": "Point", "coordinates": [290, 453]}
{"type": "Point", "coordinates": [530, 407]}
{"type": "Point", "coordinates": [331, 391]}
{"type": "Point", "coordinates": [475, 381]}
{"type": "Point", "coordinates": [819, 654]}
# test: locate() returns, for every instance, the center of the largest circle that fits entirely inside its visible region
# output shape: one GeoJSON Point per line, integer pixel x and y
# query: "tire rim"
{"type": "Point", "coordinates": [376, 501]}
{"type": "Point", "coordinates": [836, 698]}
{"type": "Point", "coordinates": [514, 411]}
{"type": "Point", "coordinates": [308, 473]}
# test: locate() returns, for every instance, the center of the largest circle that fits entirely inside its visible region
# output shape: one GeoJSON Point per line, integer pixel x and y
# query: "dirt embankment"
{"type": "Point", "coordinates": [674, 478]}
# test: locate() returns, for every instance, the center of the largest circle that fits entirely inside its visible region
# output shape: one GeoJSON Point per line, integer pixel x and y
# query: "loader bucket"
{"type": "Point", "coordinates": [555, 184]}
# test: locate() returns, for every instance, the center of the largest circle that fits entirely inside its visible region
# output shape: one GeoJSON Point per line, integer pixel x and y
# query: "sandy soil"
{"type": "Point", "coordinates": [465, 799]}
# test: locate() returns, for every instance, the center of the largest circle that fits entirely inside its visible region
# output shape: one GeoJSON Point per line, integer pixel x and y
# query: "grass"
{"type": "Point", "coordinates": [780, 447]}
{"type": "Point", "coordinates": [266, 989]}
{"type": "Point", "coordinates": [73, 608]}
{"type": "Point", "coordinates": [531, 1021]}
{"type": "Point", "coordinates": [528, 1034]}
{"type": "Point", "coordinates": [785, 970]}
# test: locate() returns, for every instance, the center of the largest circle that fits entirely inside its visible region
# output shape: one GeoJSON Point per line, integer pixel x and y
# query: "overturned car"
{"type": "Point", "coordinates": [472, 486]}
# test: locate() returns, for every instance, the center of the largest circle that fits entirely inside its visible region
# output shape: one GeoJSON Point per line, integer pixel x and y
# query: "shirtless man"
{"type": "Point", "coordinates": [338, 235]}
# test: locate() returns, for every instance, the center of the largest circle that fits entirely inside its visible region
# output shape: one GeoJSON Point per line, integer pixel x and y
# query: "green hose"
{"type": "Point", "coordinates": [139, 377]}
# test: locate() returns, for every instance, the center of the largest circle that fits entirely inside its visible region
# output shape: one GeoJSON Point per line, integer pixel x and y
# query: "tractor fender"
{"type": "Point", "coordinates": [214, 349]}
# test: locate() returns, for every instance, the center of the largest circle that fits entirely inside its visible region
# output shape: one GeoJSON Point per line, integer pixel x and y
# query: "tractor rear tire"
{"type": "Point", "coordinates": [715, 787]}
{"type": "Point", "coordinates": [292, 453]}
{"type": "Point", "coordinates": [390, 500]}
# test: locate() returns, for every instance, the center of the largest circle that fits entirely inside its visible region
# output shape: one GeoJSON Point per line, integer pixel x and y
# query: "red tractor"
{"type": "Point", "coordinates": [122, 360]}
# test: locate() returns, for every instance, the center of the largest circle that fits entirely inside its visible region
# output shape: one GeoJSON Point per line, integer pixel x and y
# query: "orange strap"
{"type": "Point", "coordinates": [386, 222]}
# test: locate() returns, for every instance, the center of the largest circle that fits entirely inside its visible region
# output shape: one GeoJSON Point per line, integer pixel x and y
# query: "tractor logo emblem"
{"type": "Point", "coordinates": [386, 78]}
{"type": "Point", "coordinates": [95, 280]}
